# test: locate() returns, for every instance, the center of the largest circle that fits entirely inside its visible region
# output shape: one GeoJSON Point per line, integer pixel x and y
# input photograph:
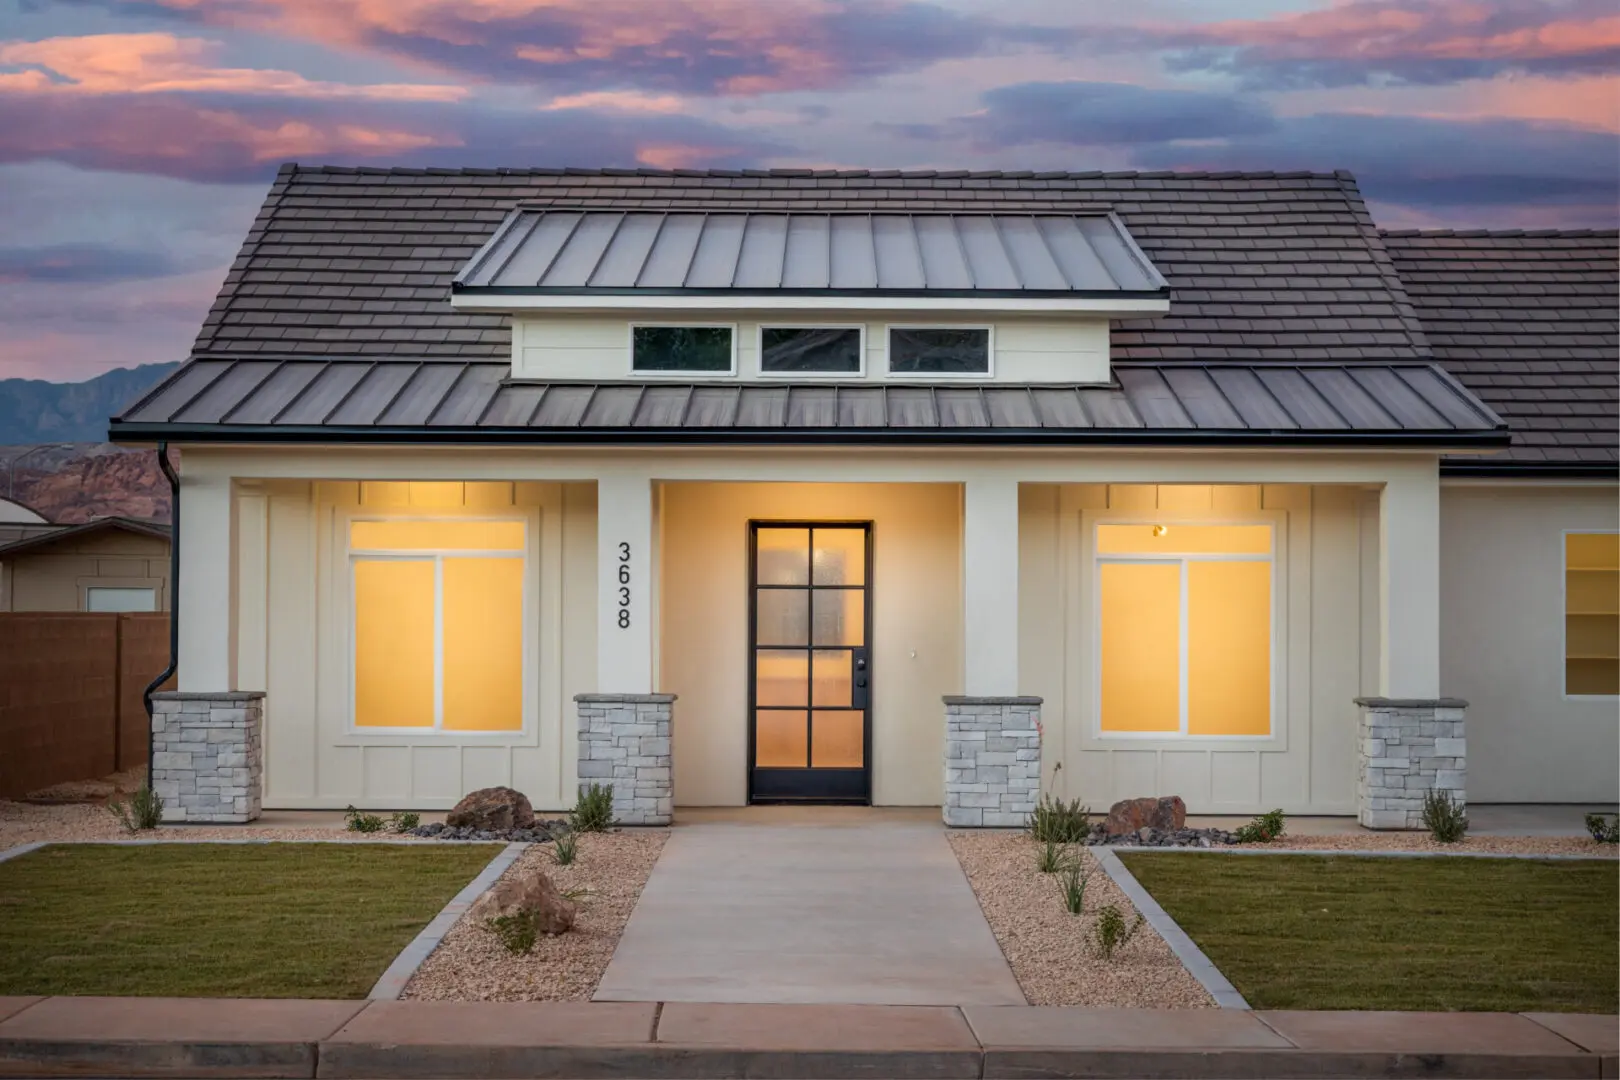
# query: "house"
{"type": "Point", "coordinates": [911, 488]}
{"type": "Point", "coordinates": [108, 564]}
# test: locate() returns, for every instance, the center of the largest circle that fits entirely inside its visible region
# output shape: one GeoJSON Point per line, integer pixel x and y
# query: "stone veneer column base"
{"type": "Point", "coordinates": [992, 761]}
{"type": "Point", "coordinates": [1407, 748]}
{"type": "Point", "coordinates": [624, 740]}
{"type": "Point", "coordinates": [208, 755]}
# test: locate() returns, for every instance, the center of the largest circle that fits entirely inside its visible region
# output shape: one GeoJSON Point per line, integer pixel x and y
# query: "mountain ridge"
{"type": "Point", "coordinates": [35, 411]}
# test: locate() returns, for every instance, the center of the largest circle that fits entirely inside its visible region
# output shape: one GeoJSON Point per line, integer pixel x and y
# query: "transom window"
{"type": "Point", "coordinates": [703, 349]}
{"type": "Point", "coordinates": [1591, 614]}
{"type": "Point", "coordinates": [438, 628]}
{"type": "Point", "coordinates": [810, 350]}
{"type": "Point", "coordinates": [1185, 615]}
{"type": "Point", "coordinates": [954, 350]}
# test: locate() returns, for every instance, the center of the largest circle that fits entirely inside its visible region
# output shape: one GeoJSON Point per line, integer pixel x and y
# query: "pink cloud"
{"type": "Point", "coordinates": [618, 101]}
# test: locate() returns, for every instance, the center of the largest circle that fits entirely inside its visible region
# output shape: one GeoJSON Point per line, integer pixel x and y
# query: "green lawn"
{"type": "Point", "coordinates": [220, 920]}
{"type": "Point", "coordinates": [1338, 932]}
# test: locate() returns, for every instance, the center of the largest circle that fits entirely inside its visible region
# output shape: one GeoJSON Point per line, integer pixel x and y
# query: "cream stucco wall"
{"type": "Point", "coordinates": [1501, 647]}
{"type": "Point", "coordinates": [55, 578]}
{"type": "Point", "coordinates": [916, 626]}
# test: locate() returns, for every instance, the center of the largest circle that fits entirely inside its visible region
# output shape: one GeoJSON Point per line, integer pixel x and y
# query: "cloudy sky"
{"type": "Point", "coordinates": [137, 136]}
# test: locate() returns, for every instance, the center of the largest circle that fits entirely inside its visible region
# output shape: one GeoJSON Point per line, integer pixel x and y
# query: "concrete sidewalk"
{"type": "Point", "coordinates": [177, 1037]}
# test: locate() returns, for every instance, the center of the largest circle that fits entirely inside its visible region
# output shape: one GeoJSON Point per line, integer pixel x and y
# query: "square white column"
{"type": "Point", "coordinates": [207, 548]}
{"type": "Point", "coordinates": [1409, 585]}
{"type": "Point", "coordinates": [624, 571]}
{"type": "Point", "coordinates": [990, 586]}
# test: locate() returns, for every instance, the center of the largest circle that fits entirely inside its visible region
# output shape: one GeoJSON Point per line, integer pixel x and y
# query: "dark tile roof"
{"type": "Point", "coordinates": [1530, 321]}
{"type": "Point", "coordinates": [1404, 402]}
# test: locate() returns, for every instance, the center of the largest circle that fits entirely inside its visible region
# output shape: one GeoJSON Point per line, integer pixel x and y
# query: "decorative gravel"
{"type": "Point", "coordinates": [1051, 951]}
{"type": "Point", "coordinates": [25, 823]}
{"type": "Point", "coordinates": [1416, 841]}
{"type": "Point", "coordinates": [470, 964]}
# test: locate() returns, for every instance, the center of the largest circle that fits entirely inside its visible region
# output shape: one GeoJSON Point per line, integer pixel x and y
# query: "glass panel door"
{"type": "Point", "coordinates": [810, 676]}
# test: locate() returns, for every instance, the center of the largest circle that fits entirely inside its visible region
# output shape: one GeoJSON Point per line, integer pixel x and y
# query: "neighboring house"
{"type": "Point", "coordinates": [110, 564]}
{"type": "Point", "coordinates": [856, 465]}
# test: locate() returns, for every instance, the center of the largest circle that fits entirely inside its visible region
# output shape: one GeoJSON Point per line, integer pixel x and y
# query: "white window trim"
{"type": "Point", "coordinates": [437, 556]}
{"type": "Point", "coordinates": [759, 350]}
{"type": "Point", "coordinates": [989, 373]}
{"type": "Point", "coordinates": [1093, 562]}
{"type": "Point", "coordinates": [1563, 614]}
{"type": "Point", "coordinates": [638, 373]}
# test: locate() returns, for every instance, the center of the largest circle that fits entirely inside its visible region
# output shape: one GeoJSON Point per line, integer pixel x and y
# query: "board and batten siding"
{"type": "Point", "coordinates": [1502, 642]}
{"type": "Point", "coordinates": [593, 347]}
{"type": "Point", "coordinates": [293, 641]}
{"type": "Point", "coordinates": [1328, 587]}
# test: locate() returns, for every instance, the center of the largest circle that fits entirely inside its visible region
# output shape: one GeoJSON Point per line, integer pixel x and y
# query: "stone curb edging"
{"type": "Point", "coordinates": [22, 849]}
{"type": "Point", "coordinates": [392, 982]}
{"type": "Point", "coordinates": [1363, 853]}
{"type": "Point", "coordinates": [1191, 956]}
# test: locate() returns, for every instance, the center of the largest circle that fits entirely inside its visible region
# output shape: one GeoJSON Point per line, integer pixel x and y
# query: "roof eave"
{"type": "Point", "coordinates": [1101, 304]}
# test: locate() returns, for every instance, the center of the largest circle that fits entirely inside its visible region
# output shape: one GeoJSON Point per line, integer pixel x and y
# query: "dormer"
{"type": "Point", "coordinates": [845, 297]}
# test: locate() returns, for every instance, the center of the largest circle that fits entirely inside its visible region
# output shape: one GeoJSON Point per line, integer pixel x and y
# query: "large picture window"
{"type": "Point", "coordinates": [1185, 616]}
{"type": "Point", "coordinates": [438, 624]}
{"type": "Point", "coordinates": [699, 349]}
{"type": "Point", "coordinates": [1591, 614]}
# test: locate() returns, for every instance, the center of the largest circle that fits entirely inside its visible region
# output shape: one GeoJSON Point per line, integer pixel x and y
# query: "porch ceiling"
{"type": "Point", "coordinates": [1359, 404]}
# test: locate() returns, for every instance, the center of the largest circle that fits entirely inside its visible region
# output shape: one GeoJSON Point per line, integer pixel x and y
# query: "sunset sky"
{"type": "Point", "coordinates": [137, 136]}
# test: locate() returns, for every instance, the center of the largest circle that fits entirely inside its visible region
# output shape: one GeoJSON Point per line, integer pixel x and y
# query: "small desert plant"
{"type": "Point", "coordinates": [1111, 931]}
{"type": "Point", "coordinates": [566, 848]}
{"type": "Point", "coordinates": [1072, 885]}
{"type": "Point", "coordinates": [355, 821]}
{"type": "Point", "coordinates": [517, 931]}
{"type": "Point", "coordinates": [1262, 830]}
{"type": "Point", "coordinates": [1443, 816]}
{"type": "Point", "coordinates": [1051, 857]}
{"type": "Point", "coordinates": [143, 810]}
{"type": "Point", "coordinates": [1055, 821]}
{"type": "Point", "coordinates": [403, 823]}
{"type": "Point", "coordinates": [593, 811]}
{"type": "Point", "coordinates": [1605, 828]}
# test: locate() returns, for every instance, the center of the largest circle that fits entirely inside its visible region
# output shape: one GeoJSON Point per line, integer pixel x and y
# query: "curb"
{"type": "Point", "coordinates": [1191, 956]}
{"type": "Point", "coordinates": [22, 849]}
{"type": "Point", "coordinates": [392, 982]}
{"type": "Point", "coordinates": [1356, 853]}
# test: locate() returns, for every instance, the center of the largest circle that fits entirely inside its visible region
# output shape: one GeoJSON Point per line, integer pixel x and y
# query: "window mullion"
{"type": "Point", "coordinates": [438, 641]}
{"type": "Point", "coordinates": [1185, 697]}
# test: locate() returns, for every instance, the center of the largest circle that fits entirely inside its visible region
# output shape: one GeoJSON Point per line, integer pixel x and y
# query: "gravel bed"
{"type": "Point", "coordinates": [25, 823]}
{"type": "Point", "coordinates": [1416, 841]}
{"type": "Point", "coordinates": [470, 964]}
{"type": "Point", "coordinates": [1050, 950]}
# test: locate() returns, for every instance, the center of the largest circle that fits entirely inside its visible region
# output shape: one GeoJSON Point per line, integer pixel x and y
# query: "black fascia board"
{"type": "Point", "coordinates": [1115, 437]}
{"type": "Point", "coordinates": [1488, 469]}
{"type": "Point", "coordinates": [830, 294]}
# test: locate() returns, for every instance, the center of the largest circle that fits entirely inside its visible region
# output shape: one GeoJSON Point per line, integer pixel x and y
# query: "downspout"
{"type": "Point", "coordinates": [174, 607]}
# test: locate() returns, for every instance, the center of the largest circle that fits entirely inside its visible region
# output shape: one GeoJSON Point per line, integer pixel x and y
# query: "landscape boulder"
{"type": "Point", "coordinates": [1133, 815]}
{"type": "Point", "coordinates": [527, 893]}
{"type": "Point", "coordinates": [492, 809]}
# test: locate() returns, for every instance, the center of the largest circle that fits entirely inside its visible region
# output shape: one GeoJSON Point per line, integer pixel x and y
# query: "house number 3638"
{"type": "Point", "coordinates": [624, 586]}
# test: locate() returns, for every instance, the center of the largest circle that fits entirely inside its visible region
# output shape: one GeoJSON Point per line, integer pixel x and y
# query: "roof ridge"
{"type": "Point", "coordinates": [1504, 234]}
{"type": "Point", "coordinates": [293, 167]}
{"type": "Point", "coordinates": [1387, 270]}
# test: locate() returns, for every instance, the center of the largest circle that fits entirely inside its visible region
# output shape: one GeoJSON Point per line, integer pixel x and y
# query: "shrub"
{"type": "Point", "coordinates": [1073, 888]}
{"type": "Point", "coordinates": [593, 811]}
{"type": "Point", "coordinates": [1111, 932]}
{"type": "Point", "coordinates": [1443, 816]}
{"type": "Point", "coordinates": [1051, 857]}
{"type": "Point", "coordinates": [1605, 829]}
{"type": "Point", "coordinates": [143, 810]}
{"type": "Point", "coordinates": [566, 848]}
{"type": "Point", "coordinates": [1262, 830]}
{"type": "Point", "coordinates": [1055, 821]}
{"type": "Point", "coordinates": [403, 823]}
{"type": "Point", "coordinates": [517, 931]}
{"type": "Point", "coordinates": [355, 821]}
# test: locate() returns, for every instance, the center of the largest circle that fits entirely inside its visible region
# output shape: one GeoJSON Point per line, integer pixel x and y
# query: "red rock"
{"type": "Point", "coordinates": [1130, 815]}
{"type": "Point", "coordinates": [534, 893]}
{"type": "Point", "coordinates": [494, 809]}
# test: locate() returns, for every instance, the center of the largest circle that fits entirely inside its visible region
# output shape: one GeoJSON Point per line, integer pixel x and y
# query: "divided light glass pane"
{"type": "Point", "coordinates": [783, 556]}
{"type": "Point", "coordinates": [1141, 647]}
{"type": "Point", "coordinates": [838, 739]}
{"type": "Point", "coordinates": [781, 677]}
{"type": "Point", "coordinates": [781, 739]}
{"type": "Point", "coordinates": [839, 557]}
{"type": "Point", "coordinates": [783, 617]}
{"type": "Point", "coordinates": [838, 617]}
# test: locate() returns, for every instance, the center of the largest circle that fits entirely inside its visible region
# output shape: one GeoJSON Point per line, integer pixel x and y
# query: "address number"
{"type": "Point", "coordinates": [624, 586]}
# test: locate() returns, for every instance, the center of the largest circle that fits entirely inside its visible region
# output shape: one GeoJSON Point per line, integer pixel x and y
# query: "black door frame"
{"type": "Point", "coordinates": [831, 786]}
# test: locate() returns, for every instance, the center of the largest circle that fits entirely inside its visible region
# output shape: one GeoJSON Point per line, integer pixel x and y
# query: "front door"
{"type": "Point", "coordinates": [810, 661]}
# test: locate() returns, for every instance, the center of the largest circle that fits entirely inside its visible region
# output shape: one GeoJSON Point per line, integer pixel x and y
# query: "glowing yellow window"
{"type": "Point", "coordinates": [438, 628]}
{"type": "Point", "coordinates": [1185, 630]}
{"type": "Point", "coordinates": [1592, 613]}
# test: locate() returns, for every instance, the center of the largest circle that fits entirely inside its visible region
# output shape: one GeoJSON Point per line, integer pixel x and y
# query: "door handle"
{"type": "Point", "coordinates": [860, 693]}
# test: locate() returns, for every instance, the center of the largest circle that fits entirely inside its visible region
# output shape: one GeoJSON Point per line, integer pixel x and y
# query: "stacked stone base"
{"type": "Point", "coordinates": [624, 740]}
{"type": "Point", "coordinates": [992, 761]}
{"type": "Point", "coordinates": [208, 755]}
{"type": "Point", "coordinates": [1407, 748]}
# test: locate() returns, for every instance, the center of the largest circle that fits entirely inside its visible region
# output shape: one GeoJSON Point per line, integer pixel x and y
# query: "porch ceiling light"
{"type": "Point", "coordinates": [1160, 530]}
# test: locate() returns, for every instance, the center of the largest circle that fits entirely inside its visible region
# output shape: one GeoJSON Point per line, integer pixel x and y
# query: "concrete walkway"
{"type": "Point", "coordinates": [866, 908]}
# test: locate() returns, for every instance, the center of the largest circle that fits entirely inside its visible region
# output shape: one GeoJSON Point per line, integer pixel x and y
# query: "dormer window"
{"type": "Point", "coordinates": [683, 349]}
{"type": "Point", "coordinates": [811, 350]}
{"type": "Point", "coordinates": [953, 350]}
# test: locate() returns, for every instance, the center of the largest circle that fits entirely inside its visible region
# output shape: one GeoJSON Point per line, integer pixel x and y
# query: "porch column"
{"type": "Point", "coordinates": [990, 586]}
{"type": "Point", "coordinates": [204, 610]}
{"type": "Point", "coordinates": [624, 633]}
{"type": "Point", "coordinates": [1409, 586]}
